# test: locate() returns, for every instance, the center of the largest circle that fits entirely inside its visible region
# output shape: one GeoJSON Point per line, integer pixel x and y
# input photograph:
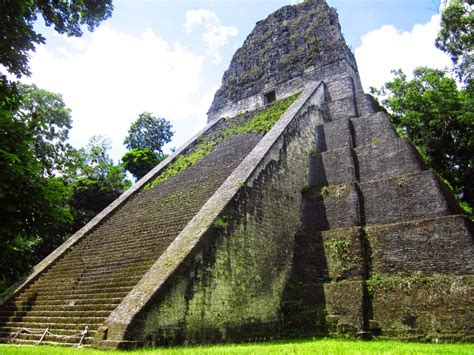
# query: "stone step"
{"type": "Point", "coordinates": [53, 313]}
{"type": "Point", "coordinates": [118, 244]}
{"type": "Point", "coordinates": [104, 263]}
{"type": "Point", "coordinates": [330, 207]}
{"type": "Point", "coordinates": [375, 161]}
{"type": "Point", "coordinates": [52, 319]}
{"type": "Point", "coordinates": [98, 274]}
{"type": "Point", "coordinates": [64, 302]}
{"type": "Point", "coordinates": [76, 290]}
{"type": "Point", "coordinates": [7, 332]}
{"type": "Point", "coordinates": [372, 129]}
{"type": "Point", "coordinates": [386, 159]}
{"type": "Point", "coordinates": [55, 341]}
{"type": "Point", "coordinates": [405, 198]}
{"type": "Point", "coordinates": [78, 296]}
{"type": "Point", "coordinates": [447, 247]}
{"type": "Point", "coordinates": [355, 132]}
{"type": "Point", "coordinates": [408, 197]}
{"type": "Point", "coordinates": [63, 307]}
{"type": "Point", "coordinates": [56, 326]}
{"type": "Point", "coordinates": [85, 286]}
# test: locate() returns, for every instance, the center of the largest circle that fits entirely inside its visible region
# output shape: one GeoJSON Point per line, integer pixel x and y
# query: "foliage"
{"type": "Point", "coordinates": [261, 122]}
{"type": "Point", "coordinates": [140, 161]}
{"type": "Point", "coordinates": [439, 119]}
{"type": "Point", "coordinates": [456, 36]}
{"type": "Point", "coordinates": [17, 18]}
{"type": "Point", "coordinates": [32, 206]}
{"type": "Point", "coordinates": [149, 132]}
{"type": "Point", "coordinates": [301, 346]}
{"type": "Point", "coordinates": [95, 181]}
{"type": "Point", "coordinates": [183, 161]}
{"type": "Point", "coordinates": [49, 120]}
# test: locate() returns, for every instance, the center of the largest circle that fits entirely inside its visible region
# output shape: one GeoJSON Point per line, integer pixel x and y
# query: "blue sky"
{"type": "Point", "coordinates": [168, 56]}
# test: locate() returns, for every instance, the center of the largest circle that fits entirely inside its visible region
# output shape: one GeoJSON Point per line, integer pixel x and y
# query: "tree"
{"type": "Point", "coordinates": [439, 119]}
{"type": "Point", "coordinates": [456, 36]}
{"type": "Point", "coordinates": [33, 208]}
{"type": "Point", "coordinates": [140, 161]}
{"type": "Point", "coordinates": [149, 132]}
{"type": "Point", "coordinates": [96, 182]}
{"type": "Point", "coordinates": [17, 18]}
{"type": "Point", "coordinates": [49, 121]}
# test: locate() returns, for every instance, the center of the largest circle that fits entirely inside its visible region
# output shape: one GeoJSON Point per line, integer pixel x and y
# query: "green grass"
{"type": "Point", "coordinates": [323, 346]}
{"type": "Point", "coordinates": [261, 122]}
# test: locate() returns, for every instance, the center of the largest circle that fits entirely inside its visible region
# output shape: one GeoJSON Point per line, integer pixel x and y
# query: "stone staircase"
{"type": "Point", "coordinates": [374, 217]}
{"type": "Point", "coordinates": [90, 280]}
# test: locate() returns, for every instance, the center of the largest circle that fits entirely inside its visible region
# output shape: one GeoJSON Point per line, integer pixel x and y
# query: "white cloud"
{"type": "Point", "coordinates": [214, 34]}
{"type": "Point", "coordinates": [388, 48]}
{"type": "Point", "coordinates": [108, 77]}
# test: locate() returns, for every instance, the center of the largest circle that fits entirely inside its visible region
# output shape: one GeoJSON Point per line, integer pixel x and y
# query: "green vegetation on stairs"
{"type": "Point", "coordinates": [261, 122]}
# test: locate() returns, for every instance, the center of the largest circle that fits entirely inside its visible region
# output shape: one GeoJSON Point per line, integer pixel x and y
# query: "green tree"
{"type": "Point", "coordinates": [33, 208]}
{"type": "Point", "coordinates": [96, 181]}
{"type": "Point", "coordinates": [456, 36]}
{"type": "Point", "coordinates": [17, 18]}
{"type": "Point", "coordinates": [140, 161]}
{"type": "Point", "coordinates": [439, 119]}
{"type": "Point", "coordinates": [149, 132]}
{"type": "Point", "coordinates": [49, 121]}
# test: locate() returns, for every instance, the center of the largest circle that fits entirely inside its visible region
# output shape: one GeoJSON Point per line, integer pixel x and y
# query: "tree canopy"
{"type": "Point", "coordinates": [17, 18]}
{"type": "Point", "coordinates": [149, 132]}
{"type": "Point", "coordinates": [456, 36]}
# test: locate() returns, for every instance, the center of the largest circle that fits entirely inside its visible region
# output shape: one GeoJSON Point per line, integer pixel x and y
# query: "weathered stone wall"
{"type": "Point", "coordinates": [291, 47]}
{"type": "Point", "coordinates": [230, 286]}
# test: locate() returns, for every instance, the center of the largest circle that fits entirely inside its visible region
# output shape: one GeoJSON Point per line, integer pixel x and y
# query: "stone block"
{"type": "Point", "coordinates": [408, 197]}
{"type": "Point", "coordinates": [333, 135]}
{"type": "Point", "coordinates": [332, 167]}
{"type": "Point", "coordinates": [424, 308]}
{"type": "Point", "coordinates": [334, 206]}
{"type": "Point", "coordinates": [372, 128]}
{"type": "Point", "coordinates": [442, 245]}
{"type": "Point", "coordinates": [385, 159]}
{"type": "Point", "coordinates": [309, 261]}
{"type": "Point", "coordinates": [342, 108]}
{"type": "Point", "coordinates": [340, 89]}
{"type": "Point", "coordinates": [345, 302]}
{"type": "Point", "coordinates": [344, 253]}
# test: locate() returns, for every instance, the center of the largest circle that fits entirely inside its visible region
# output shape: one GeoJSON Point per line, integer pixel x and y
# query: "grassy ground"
{"type": "Point", "coordinates": [325, 346]}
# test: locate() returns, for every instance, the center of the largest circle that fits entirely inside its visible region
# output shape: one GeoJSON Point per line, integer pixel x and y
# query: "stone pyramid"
{"type": "Point", "coordinates": [326, 224]}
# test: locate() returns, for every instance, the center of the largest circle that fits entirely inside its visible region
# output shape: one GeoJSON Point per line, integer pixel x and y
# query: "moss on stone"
{"type": "Point", "coordinates": [261, 122]}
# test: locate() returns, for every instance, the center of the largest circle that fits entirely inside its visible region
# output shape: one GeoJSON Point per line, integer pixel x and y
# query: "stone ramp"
{"type": "Point", "coordinates": [88, 281]}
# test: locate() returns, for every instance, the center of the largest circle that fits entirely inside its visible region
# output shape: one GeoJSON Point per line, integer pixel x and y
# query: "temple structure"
{"type": "Point", "coordinates": [322, 222]}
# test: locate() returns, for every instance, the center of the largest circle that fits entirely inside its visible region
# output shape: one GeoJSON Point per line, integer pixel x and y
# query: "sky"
{"type": "Point", "coordinates": [167, 57]}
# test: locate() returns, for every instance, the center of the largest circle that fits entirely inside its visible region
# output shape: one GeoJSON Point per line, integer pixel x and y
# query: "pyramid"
{"type": "Point", "coordinates": [297, 211]}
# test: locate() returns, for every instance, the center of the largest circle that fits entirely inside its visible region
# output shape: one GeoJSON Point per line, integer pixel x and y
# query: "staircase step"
{"type": "Point", "coordinates": [65, 302]}
{"type": "Point", "coordinates": [52, 319]}
{"type": "Point", "coordinates": [86, 287]}
{"type": "Point", "coordinates": [78, 296]}
{"type": "Point", "coordinates": [43, 325]}
{"type": "Point", "coordinates": [447, 246]}
{"type": "Point", "coordinates": [59, 308]}
{"type": "Point", "coordinates": [386, 159]}
{"type": "Point", "coordinates": [408, 197]}
{"type": "Point", "coordinates": [87, 340]}
{"type": "Point", "coordinates": [371, 129]}
{"type": "Point", "coordinates": [71, 312]}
